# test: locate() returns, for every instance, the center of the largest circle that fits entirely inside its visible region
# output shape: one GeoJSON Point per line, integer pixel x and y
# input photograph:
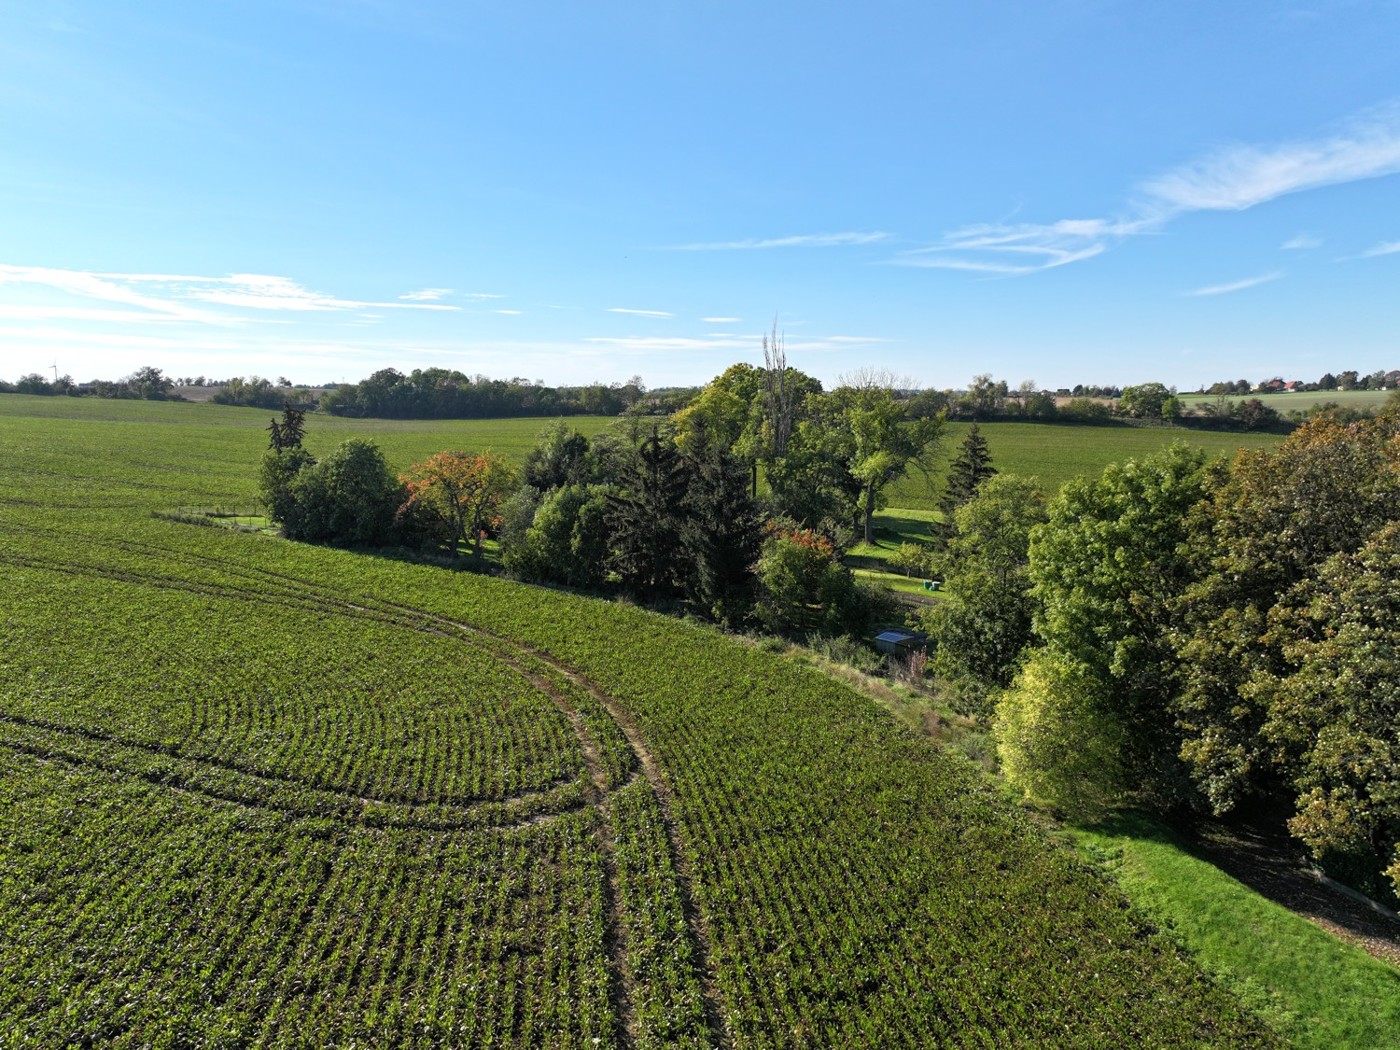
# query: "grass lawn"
{"type": "Point", "coordinates": [1315, 989]}
{"type": "Point", "coordinates": [893, 527]}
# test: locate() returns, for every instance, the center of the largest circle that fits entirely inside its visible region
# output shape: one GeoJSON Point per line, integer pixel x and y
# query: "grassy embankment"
{"type": "Point", "coordinates": [1319, 991]}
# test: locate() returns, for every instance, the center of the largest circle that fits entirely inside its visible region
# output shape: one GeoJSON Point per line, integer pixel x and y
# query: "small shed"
{"type": "Point", "coordinates": [899, 642]}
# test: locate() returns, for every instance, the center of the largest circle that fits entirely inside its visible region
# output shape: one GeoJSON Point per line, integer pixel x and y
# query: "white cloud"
{"type": "Point", "coordinates": [1230, 179]}
{"type": "Point", "coordinates": [669, 342]}
{"type": "Point", "coordinates": [508, 313]}
{"type": "Point", "coordinates": [1301, 242]}
{"type": "Point", "coordinates": [721, 320]}
{"type": "Point", "coordinates": [1240, 177]}
{"type": "Point", "coordinates": [1236, 286]}
{"type": "Point", "coordinates": [1388, 248]}
{"type": "Point", "coordinates": [639, 313]}
{"type": "Point", "coordinates": [809, 240]}
{"type": "Point", "coordinates": [256, 291]}
{"type": "Point", "coordinates": [1023, 248]}
{"type": "Point", "coordinates": [726, 342]}
{"type": "Point", "coordinates": [85, 285]}
{"type": "Point", "coordinates": [168, 296]}
{"type": "Point", "coordinates": [426, 295]}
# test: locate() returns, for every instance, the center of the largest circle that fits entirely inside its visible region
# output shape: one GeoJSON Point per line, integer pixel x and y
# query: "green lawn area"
{"type": "Point", "coordinates": [892, 527]}
{"type": "Point", "coordinates": [1315, 989]}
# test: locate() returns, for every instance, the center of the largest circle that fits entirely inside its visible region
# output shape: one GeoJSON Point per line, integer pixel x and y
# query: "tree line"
{"type": "Point", "coordinates": [667, 509]}
{"type": "Point", "coordinates": [1198, 636]}
{"type": "Point", "coordinates": [440, 393]}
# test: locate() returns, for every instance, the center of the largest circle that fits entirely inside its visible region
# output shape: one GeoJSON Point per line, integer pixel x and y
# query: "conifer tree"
{"type": "Point", "coordinates": [720, 534]}
{"type": "Point", "coordinates": [646, 518]}
{"type": "Point", "coordinates": [972, 466]}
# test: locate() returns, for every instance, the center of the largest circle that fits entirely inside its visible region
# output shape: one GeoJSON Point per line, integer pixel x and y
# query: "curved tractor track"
{"type": "Point", "coordinates": [580, 700]}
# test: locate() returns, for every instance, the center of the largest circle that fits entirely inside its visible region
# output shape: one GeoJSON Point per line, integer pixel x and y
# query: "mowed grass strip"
{"type": "Point", "coordinates": [1319, 991]}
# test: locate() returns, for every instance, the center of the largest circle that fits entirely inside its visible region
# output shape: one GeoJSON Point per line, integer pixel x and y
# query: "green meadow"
{"type": "Point", "coordinates": [1056, 452]}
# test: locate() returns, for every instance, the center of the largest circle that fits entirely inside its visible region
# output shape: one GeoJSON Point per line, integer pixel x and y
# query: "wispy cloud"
{"type": "Point", "coordinates": [1229, 179]}
{"type": "Point", "coordinates": [1301, 242]}
{"type": "Point", "coordinates": [721, 320]}
{"type": "Point", "coordinates": [257, 291]}
{"type": "Point", "coordinates": [109, 288]}
{"type": "Point", "coordinates": [806, 240]}
{"type": "Point", "coordinates": [1237, 286]}
{"type": "Point", "coordinates": [682, 343]}
{"type": "Point", "coordinates": [726, 342]}
{"type": "Point", "coordinates": [1239, 177]}
{"type": "Point", "coordinates": [427, 295]}
{"type": "Point", "coordinates": [1388, 248]}
{"type": "Point", "coordinates": [639, 313]}
{"type": "Point", "coordinates": [1023, 248]}
{"type": "Point", "coordinates": [163, 296]}
{"type": "Point", "coordinates": [508, 313]}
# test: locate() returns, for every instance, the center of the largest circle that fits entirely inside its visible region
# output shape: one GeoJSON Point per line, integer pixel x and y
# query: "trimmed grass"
{"type": "Point", "coordinates": [893, 527]}
{"type": "Point", "coordinates": [1315, 989]}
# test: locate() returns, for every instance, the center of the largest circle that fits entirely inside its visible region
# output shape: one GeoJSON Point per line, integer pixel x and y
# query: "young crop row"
{"type": "Point", "coordinates": [333, 703]}
{"type": "Point", "coordinates": [653, 974]}
{"type": "Point", "coordinates": [851, 886]}
{"type": "Point", "coordinates": [135, 916]}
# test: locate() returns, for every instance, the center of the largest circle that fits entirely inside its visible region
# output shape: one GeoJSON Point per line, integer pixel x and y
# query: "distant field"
{"type": "Point", "coordinates": [261, 793]}
{"type": "Point", "coordinates": [1056, 452]}
{"type": "Point", "coordinates": [1358, 399]}
{"type": "Point", "coordinates": [229, 441]}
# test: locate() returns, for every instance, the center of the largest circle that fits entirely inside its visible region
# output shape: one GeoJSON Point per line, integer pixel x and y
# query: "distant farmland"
{"type": "Point", "coordinates": [264, 793]}
{"type": "Point", "coordinates": [1290, 401]}
{"type": "Point", "coordinates": [1056, 452]}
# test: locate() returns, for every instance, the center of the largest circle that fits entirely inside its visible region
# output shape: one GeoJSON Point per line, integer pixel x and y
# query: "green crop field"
{"type": "Point", "coordinates": [1056, 452]}
{"type": "Point", "coordinates": [1296, 400]}
{"type": "Point", "coordinates": [257, 793]}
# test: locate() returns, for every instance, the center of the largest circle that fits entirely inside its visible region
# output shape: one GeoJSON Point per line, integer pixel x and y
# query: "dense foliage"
{"type": "Point", "coordinates": [440, 393]}
{"type": "Point", "coordinates": [1228, 633]}
{"type": "Point", "coordinates": [982, 628]}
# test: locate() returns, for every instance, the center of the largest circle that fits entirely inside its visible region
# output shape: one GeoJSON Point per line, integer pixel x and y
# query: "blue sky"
{"type": "Point", "coordinates": [1064, 192]}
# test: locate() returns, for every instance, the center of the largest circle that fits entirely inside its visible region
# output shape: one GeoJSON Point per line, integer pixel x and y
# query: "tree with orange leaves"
{"type": "Point", "coordinates": [462, 492]}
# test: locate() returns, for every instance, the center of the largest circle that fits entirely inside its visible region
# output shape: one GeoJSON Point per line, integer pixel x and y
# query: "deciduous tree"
{"type": "Point", "coordinates": [1107, 567]}
{"type": "Point", "coordinates": [463, 491]}
{"type": "Point", "coordinates": [985, 622]}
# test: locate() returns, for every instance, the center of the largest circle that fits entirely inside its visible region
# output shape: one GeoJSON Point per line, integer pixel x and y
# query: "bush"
{"type": "Point", "coordinates": [913, 559]}
{"type": "Point", "coordinates": [805, 588]}
{"type": "Point", "coordinates": [347, 499]}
